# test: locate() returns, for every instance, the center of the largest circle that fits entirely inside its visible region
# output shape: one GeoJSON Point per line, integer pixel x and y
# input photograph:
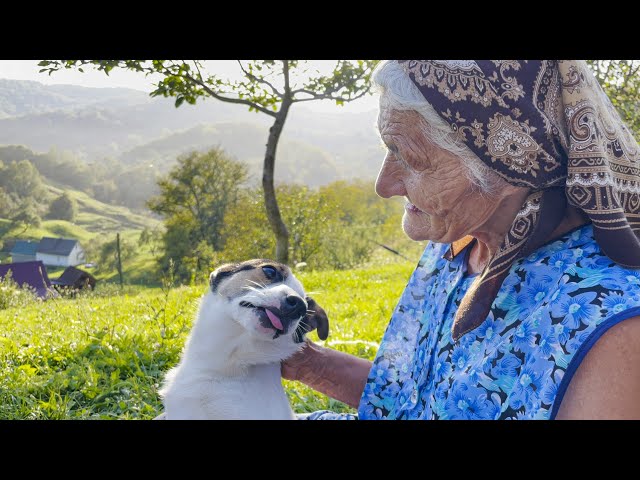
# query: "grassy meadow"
{"type": "Point", "coordinates": [102, 355]}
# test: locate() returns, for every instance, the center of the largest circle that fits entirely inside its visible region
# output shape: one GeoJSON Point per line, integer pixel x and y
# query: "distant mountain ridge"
{"type": "Point", "coordinates": [24, 97]}
{"type": "Point", "coordinates": [130, 126]}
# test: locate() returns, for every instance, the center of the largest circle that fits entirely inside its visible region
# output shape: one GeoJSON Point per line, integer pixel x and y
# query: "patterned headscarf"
{"type": "Point", "coordinates": [546, 125]}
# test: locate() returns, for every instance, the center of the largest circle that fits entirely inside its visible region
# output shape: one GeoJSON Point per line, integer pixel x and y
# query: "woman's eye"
{"type": "Point", "coordinates": [270, 272]}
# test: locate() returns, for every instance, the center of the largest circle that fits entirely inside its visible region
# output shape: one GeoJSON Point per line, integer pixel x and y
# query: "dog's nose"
{"type": "Point", "coordinates": [293, 306]}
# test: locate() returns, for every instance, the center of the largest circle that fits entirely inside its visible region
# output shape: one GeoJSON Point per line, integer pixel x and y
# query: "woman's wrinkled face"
{"type": "Point", "coordinates": [441, 204]}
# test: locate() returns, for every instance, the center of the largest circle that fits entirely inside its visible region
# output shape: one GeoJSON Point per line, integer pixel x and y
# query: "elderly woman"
{"type": "Point", "coordinates": [526, 302]}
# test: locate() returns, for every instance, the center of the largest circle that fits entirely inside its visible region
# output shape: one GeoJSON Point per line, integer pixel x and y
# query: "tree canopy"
{"type": "Point", "coordinates": [63, 208]}
{"type": "Point", "coordinates": [620, 79]}
{"type": "Point", "coordinates": [270, 87]}
{"type": "Point", "coordinates": [194, 199]}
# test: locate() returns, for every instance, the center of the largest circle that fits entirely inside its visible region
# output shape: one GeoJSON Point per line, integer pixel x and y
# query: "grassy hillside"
{"type": "Point", "coordinates": [96, 221]}
{"type": "Point", "coordinates": [93, 218]}
{"type": "Point", "coordinates": [96, 216]}
{"type": "Point", "coordinates": [103, 356]}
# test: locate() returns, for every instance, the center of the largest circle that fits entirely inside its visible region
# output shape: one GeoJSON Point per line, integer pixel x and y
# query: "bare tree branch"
{"type": "Point", "coordinates": [327, 94]}
{"type": "Point", "coordinates": [197, 65]}
{"type": "Point", "coordinates": [228, 99]}
{"type": "Point", "coordinates": [316, 96]}
{"type": "Point", "coordinates": [167, 71]}
{"type": "Point", "coordinates": [251, 76]}
{"type": "Point", "coordinates": [26, 227]}
{"type": "Point", "coordinates": [304, 90]}
{"type": "Point", "coordinates": [338, 99]}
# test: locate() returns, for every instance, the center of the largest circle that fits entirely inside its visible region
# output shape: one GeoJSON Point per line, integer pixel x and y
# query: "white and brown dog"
{"type": "Point", "coordinates": [254, 315]}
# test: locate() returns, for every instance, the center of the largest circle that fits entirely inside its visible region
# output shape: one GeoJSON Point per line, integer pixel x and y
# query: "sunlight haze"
{"type": "Point", "coordinates": [29, 70]}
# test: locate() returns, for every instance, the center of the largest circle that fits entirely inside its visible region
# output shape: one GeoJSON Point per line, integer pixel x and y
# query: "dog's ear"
{"type": "Point", "coordinates": [217, 275]}
{"type": "Point", "coordinates": [212, 279]}
{"type": "Point", "coordinates": [317, 319]}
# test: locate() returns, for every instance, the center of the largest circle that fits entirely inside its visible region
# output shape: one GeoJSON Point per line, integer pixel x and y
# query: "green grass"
{"type": "Point", "coordinates": [95, 221]}
{"type": "Point", "coordinates": [96, 216]}
{"type": "Point", "coordinates": [103, 355]}
{"type": "Point", "coordinates": [55, 228]}
{"type": "Point", "coordinates": [139, 270]}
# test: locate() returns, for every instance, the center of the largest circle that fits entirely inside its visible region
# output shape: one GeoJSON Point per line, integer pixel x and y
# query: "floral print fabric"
{"type": "Point", "coordinates": [551, 308]}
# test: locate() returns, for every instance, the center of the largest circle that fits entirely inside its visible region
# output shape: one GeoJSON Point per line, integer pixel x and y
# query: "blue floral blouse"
{"type": "Point", "coordinates": [553, 306]}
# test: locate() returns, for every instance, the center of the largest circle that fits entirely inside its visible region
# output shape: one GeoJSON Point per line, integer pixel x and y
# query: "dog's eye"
{"type": "Point", "coordinates": [272, 273]}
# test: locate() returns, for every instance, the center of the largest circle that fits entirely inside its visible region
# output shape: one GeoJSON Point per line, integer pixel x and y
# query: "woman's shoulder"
{"type": "Point", "coordinates": [606, 384]}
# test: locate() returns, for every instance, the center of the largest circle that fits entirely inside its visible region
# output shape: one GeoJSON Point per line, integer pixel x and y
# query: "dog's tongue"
{"type": "Point", "coordinates": [275, 321]}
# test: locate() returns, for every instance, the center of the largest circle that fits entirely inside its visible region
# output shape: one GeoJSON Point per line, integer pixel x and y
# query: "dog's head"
{"type": "Point", "coordinates": [268, 300]}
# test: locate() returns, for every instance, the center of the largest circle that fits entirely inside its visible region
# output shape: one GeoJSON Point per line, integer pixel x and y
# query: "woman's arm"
{"type": "Point", "coordinates": [336, 374]}
{"type": "Point", "coordinates": [606, 385]}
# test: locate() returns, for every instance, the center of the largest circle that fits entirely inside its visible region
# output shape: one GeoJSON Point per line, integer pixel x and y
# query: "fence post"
{"type": "Point", "coordinates": [119, 261]}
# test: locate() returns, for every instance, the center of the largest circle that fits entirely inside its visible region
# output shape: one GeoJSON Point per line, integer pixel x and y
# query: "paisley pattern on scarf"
{"type": "Point", "coordinates": [551, 308]}
{"type": "Point", "coordinates": [546, 125]}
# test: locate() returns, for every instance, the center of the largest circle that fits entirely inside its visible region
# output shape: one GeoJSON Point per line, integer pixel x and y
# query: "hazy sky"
{"type": "Point", "coordinates": [29, 70]}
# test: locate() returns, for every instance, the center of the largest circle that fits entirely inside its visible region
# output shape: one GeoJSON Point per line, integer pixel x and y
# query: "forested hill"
{"type": "Point", "coordinates": [134, 130]}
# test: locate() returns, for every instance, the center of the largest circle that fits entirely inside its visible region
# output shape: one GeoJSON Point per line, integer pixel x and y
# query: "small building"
{"type": "Point", "coordinates": [24, 251]}
{"type": "Point", "coordinates": [74, 278]}
{"type": "Point", "coordinates": [60, 252]}
{"type": "Point", "coordinates": [31, 274]}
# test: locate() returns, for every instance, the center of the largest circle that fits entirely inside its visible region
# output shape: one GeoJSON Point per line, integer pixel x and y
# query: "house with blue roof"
{"type": "Point", "coordinates": [60, 252]}
{"type": "Point", "coordinates": [24, 251]}
{"type": "Point", "coordinates": [53, 252]}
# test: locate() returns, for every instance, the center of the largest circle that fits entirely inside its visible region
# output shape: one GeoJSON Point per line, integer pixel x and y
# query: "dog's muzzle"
{"type": "Point", "coordinates": [292, 308]}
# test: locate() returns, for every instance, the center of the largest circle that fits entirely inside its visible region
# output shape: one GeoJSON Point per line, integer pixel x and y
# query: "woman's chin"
{"type": "Point", "coordinates": [416, 232]}
{"type": "Point", "coordinates": [415, 238]}
{"type": "Point", "coordinates": [421, 229]}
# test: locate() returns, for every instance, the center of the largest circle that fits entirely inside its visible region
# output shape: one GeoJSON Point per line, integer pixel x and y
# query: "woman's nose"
{"type": "Point", "coordinates": [388, 183]}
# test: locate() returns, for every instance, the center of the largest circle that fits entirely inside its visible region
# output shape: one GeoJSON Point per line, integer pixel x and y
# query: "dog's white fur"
{"type": "Point", "coordinates": [230, 365]}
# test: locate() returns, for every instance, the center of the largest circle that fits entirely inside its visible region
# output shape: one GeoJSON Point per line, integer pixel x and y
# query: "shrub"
{"type": "Point", "coordinates": [13, 295]}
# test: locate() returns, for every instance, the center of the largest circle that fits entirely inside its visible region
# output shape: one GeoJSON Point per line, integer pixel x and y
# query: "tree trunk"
{"type": "Point", "coordinates": [271, 203]}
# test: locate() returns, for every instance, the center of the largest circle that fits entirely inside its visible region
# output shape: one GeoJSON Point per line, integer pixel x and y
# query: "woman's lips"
{"type": "Point", "coordinates": [410, 207]}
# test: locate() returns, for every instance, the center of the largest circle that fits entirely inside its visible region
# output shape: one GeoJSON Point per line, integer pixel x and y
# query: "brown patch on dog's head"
{"type": "Point", "coordinates": [232, 279]}
{"type": "Point", "coordinates": [316, 319]}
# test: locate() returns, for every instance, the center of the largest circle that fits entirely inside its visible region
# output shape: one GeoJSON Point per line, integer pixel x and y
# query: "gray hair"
{"type": "Point", "coordinates": [397, 91]}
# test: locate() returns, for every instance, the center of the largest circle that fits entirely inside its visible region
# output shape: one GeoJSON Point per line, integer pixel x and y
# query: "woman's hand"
{"type": "Point", "coordinates": [301, 364]}
{"type": "Point", "coordinates": [336, 374]}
